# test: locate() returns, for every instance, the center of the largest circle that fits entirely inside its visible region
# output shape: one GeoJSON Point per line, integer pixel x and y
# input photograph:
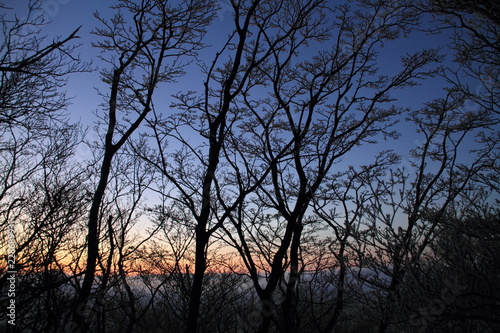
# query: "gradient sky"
{"type": "Point", "coordinates": [67, 15]}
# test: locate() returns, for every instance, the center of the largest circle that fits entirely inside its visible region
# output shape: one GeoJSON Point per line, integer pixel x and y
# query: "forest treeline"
{"type": "Point", "coordinates": [278, 194]}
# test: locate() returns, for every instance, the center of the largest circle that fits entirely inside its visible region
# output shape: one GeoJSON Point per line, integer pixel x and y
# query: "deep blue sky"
{"type": "Point", "coordinates": [67, 15]}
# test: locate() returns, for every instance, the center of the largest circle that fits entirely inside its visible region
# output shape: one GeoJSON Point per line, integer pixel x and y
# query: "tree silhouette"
{"type": "Point", "coordinates": [143, 55]}
{"type": "Point", "coordinates": [261, 172]}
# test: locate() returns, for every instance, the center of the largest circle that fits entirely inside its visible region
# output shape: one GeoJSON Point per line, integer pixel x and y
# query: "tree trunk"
{"type": "Point", "coordinates": [266, 311]}
{"type": "Point", "coordinates": [79, 320]}
{"type": "Point", "coordinates": [197, 286]}
{"type": "Point", "coordinates": [289, 306]}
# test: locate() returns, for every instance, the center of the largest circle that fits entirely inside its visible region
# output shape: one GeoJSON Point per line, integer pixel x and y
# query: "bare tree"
{"type": "Point", "coordinates": [141, 56]}
{"type": "Point", "coordinates": [259, 221]}
{"type": "Point", "coordinates": [340, 204]}
{"type": "Point", "coordinates": [42, 192]}
{"type": "Point", "coordinates": [31, 101]}
{"type": "Point", "coordinates": [475, 45]}
{"type": "Point", "coordinates": [121, 242]}
{"type": "Point", "coordinates": [260, 27]}
{"type": "Point", "coordinates": [50, 210]}
{"type": "Point", "coordinates": [439, 176]}
{"type": "Point", "coordinates": [465, 251]}
{"type": "Point", "coordinates": [321, 109]}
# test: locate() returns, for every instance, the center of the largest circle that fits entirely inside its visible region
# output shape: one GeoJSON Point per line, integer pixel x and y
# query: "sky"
{"type": "Point", "coordinates": [65, 16]}
{"type": "Point", "coordinates": [68, 15]}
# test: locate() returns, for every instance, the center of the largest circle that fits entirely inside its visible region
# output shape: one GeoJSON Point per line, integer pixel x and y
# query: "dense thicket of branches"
{"type": "Point", "coordinates": [270, 196]}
